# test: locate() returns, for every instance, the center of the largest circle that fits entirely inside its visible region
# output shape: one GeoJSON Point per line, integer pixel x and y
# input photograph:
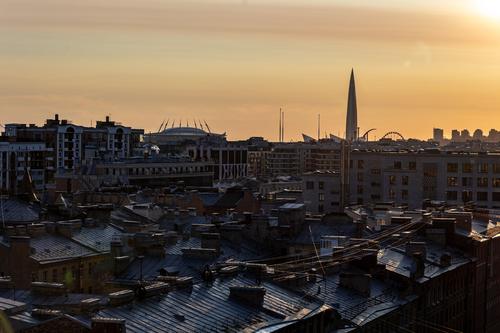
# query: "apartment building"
{"type": "Point", "coordinates": [409, 177]}
{"type": "Point", "coordinates": [17, 158]}
{"type": "Point", "coordinates": [68, 147]}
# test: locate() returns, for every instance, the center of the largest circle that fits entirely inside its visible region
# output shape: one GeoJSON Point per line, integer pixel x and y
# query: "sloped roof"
{"type": "Point", "coordinates": [17, 211]}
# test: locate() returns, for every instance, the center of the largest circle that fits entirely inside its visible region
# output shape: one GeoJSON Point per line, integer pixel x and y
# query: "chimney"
{"type": "Point", "coordinates": [36, 229]}
{"type": "Point", "coordinates": [107, 119]}
{"type": "Point", "coordinates": [210, 241]}
{"type": "Point", "coordinates": [67, 228]}
{"type": "Point", "coordinates": [48, 288]}
{"type": "Point", "coordinates": [248, 294]}
{"type": "Point", "coordinates": [416, 247]}
{"type": "Point", "coordinates": [6, 282]}
{"type": "Point", "coordinates": [20, 246]}
{"type": "Point", "coordinates": [446, 225]}
{"type": "Point", "coordinates": [56, 118]}
{"type": "Point", "coordinates": [107, 325]}
{"type": "Point", "coordinates": [121, 297]}
{"type": "Point", "coordinates": [419, 268]}
{"type": "Point", "coordinates": [89, 305]}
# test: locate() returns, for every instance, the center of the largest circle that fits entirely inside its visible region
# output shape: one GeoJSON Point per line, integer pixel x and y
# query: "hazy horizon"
{"type": "Point", "coordinates": [235, 63]}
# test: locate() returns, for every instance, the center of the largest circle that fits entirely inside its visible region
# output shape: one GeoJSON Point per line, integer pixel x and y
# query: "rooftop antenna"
{"type": "Point", "coordinates": [319, 125]}
{"type": "Point", "coordinates": [161, 126]}
{"type": "Point", "coordinates": [209, 131]}
{"type": "Point", "coordinates": [283, 127]}
{"type": "Point", "coordinates": [279, 137]}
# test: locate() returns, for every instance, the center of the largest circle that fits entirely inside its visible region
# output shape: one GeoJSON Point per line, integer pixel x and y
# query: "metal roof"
{"type": "Point", "coordinates": [52, 248]}
{"type": "Point", "coordinates": [208, 308]}
{"type": "Point", "coordinates": [97, 238]}
{"type": "Point", "coordinates": [17, 211]}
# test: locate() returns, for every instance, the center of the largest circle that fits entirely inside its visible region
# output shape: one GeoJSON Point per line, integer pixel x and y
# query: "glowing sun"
{"type": "Point", "coordinates": [489, 8]}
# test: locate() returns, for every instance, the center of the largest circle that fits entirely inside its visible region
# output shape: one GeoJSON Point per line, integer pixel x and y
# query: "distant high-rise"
{"type": "Point", "coordinates": [351, 130]}
{"type": "Point", "coordinates": [438, 134]}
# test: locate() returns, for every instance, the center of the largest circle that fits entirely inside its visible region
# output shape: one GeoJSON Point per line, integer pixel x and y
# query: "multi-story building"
{"type": "Point", "coordinates": [295, 159]}
{"type": "Point", "coordinates": [155, 171]}
{"type": "Point", "coordinates": [60, 148]}
{"type": "Point", "coordinates": [230, 160]}
{"type": "Point", "coordinates": [408, 178]}
{"type": "Point", "coordinates": [323, 192]}
{"type": "Point", "coordinates": [16, 158]}
{"type": "Point", "coordinates": [74, 145]}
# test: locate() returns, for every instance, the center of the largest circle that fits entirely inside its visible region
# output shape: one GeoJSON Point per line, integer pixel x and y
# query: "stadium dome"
{"type": "Point", "coordinates": [184, 131]}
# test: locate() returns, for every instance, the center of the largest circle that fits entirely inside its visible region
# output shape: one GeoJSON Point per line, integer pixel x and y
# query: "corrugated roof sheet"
{"type": "Point", "coordinates": [208, 308]}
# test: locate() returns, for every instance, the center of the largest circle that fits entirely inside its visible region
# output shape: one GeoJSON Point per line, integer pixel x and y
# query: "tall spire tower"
{"type": "Point", "coordinates": [351, 129]}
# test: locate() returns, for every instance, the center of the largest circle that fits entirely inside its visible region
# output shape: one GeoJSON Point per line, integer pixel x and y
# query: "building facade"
{"type": "Point", "coordinates": [408, 178]}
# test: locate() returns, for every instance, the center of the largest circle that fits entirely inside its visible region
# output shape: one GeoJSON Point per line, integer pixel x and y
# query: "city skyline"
{"type": "Point", "coordinates": [244, 60]}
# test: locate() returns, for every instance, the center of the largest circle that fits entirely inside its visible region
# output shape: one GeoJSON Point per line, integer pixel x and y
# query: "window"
{"type": "Point", "coordinates": [451, 195]}
{"type": "Point", "coordinates": [452, 167]}
{"type": "Point", "coordinates": [467, 181]}
{"type": "Point", "coordinates": [392, 194]}
{"type": "Point", "coordinates": [360, 189]}
{"type": "Point", "coordinates": [482, 182]}
{"type": "Point", "coordinates": [320, 208]}
{"type": "Point", "coordinates": [482, 168]}
{"type": "Point", "coordinates": [405, 180]}
{"type": "Point", "coordinates": [321, 185]}
{"type": "Point", "coordinates": [412, 165]}
{"type": "Point", "coordinates": [321, 197]}
{"type": "Point", "coordinates": [482, 196]}
{"type": "Point", "coordinates": [496, 196]}
{"type": "Point", "coordinates": [310, 185]}
{"type": "Point", "coordinates": [452, 181]}
{"type": "Point", "coordinates": [361, 164]}
{"type": "Point", "coordinates": [397, 165]}
{"type": "Point", "coordinates": [496, 182]}
{"type": "Point", "coordinates": [467, 168]}
{"type": "Point", "coordinates": [54, 275]}
{"type": "Point", "coordinates": [375, 171]}
{"type": "Point", "coordinates": [404, 194]}
{"type": "Point", "coordinates": [496, 167]}
{"type": "Point", "coordinates": [45, 276]}
{"type": "Point", "coordinates": [360, 177]}
{"type": "Point", "coordinates": [392, 180]}
{"type": "Point", "coordinates": [466, 196]}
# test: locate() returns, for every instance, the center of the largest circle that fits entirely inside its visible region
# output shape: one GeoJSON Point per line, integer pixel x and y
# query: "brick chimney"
{"type": "Point", "coordinates": [248, 294]}
{"type": "Point", "coordinates": [20, 246]}
{"type": "Point", "coordinates": [210, 241]}
{"type": "Point", "coordinates": [107, 325]}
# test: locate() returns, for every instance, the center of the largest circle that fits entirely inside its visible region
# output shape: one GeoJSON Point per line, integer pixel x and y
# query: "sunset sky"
{"type": "Point", "coordinates": [234, 63]}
